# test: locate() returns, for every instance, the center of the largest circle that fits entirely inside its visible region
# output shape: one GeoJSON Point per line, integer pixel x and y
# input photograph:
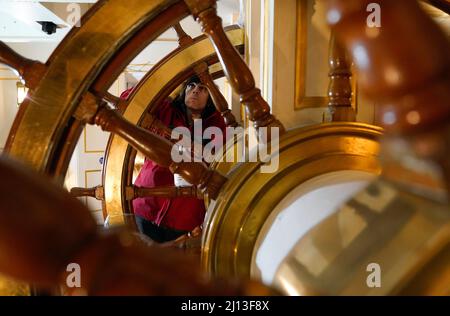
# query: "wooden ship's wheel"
{"type": "Point", "coordinates": [158, 84]}
{"type": "Point", "coordinates": [71, 89]}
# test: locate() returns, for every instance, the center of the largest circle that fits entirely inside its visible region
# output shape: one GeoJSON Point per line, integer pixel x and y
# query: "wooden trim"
{"type": "Point", "coordinates": [85, 150]}
{"type": "Point", "coordinates": [301, 100]}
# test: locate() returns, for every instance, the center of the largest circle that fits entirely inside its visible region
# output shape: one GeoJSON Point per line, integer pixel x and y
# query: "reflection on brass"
{"type": "Point", "coordinates": [234, 220]}
{"type": "Point", "coordinates": [232, 153]}
{"type": "Point", "coordinates": [138, 164]}
{"type": "Point", "coordinates": [137, 106]}
{"type": "Point", "coordinates": [385, 224]}
{"type": "Point", "coordinates": [8, 287]}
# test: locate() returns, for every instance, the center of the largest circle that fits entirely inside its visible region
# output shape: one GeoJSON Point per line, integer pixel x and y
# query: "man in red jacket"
{"type": "Point", "coordinates": [165, 219]}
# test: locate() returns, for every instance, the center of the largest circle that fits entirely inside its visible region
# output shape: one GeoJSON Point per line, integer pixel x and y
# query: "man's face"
{"type": "Point", "coordinates": [196, 96]}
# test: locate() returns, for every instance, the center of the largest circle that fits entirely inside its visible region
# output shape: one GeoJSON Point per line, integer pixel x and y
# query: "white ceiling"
{"type": "Point", "coordinates": [18, 18]}
{"type": "Point", "coordinates": [18, 22]}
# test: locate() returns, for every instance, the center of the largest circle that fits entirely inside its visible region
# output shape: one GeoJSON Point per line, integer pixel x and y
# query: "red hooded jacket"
{"type": "Point", "coordinates": [181, 213]}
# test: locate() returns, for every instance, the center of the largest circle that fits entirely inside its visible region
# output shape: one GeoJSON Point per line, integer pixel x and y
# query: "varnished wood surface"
{"type": "Point", "coordinates": [30, 70]}
{"type": "Point", "coordinates": [404, 66]}
{"type": "Point", "coordinates": [340, 88]}
{"type": "Point", "coordinates": [35, 234]}
{"type": "Point", "coordinates": [217, 97]}
{"type": "Point", "coordinates": [183, 38]}
{"type": "Point", "coordinates": [154, 147]}
{"type": "Point", "coordinates": [236, 70]}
